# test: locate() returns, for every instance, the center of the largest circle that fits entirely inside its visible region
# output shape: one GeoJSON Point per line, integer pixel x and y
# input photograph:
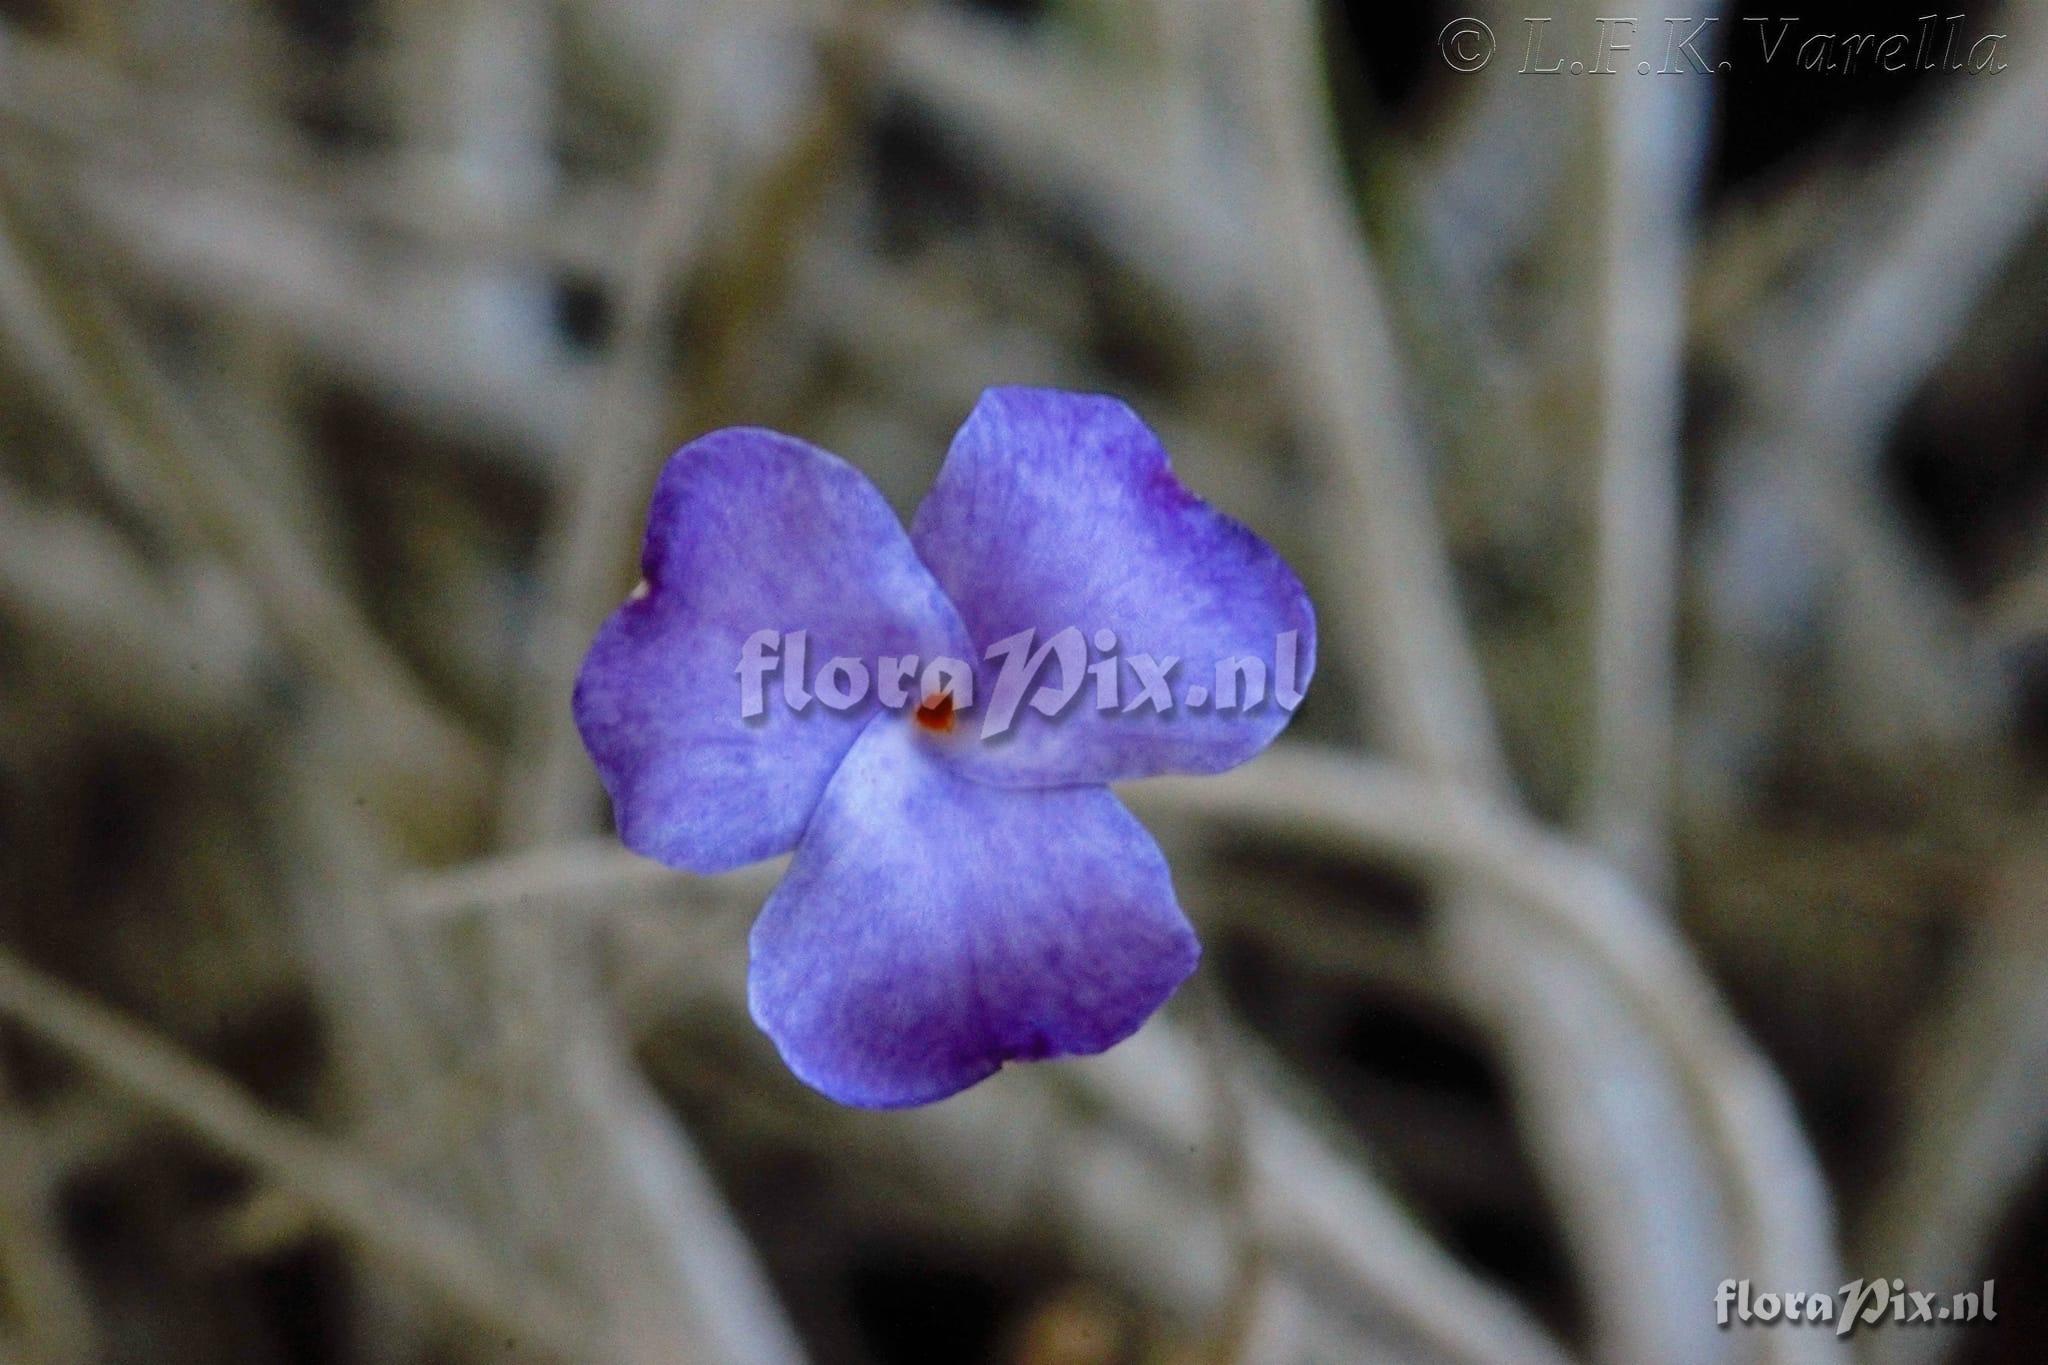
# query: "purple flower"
{"type": "Point", "coordinates": [955, 901]}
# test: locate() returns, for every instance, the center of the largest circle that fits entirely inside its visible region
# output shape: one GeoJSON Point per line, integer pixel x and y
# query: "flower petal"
{"type": "Point", "coordinates": [749, 531]}
{"type": "Point", "coordinates": [1059, 510]}
{"type": "Point", "coordinates": [932, 927]}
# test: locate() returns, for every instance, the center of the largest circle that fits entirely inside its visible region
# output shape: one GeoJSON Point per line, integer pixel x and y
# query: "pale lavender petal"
{"type": "Point", "coordinates": [1058, 510]}
{"type": "Point", "coordinates": [932, 927]}
{"type": "Point", "coordinates": [749, 531]}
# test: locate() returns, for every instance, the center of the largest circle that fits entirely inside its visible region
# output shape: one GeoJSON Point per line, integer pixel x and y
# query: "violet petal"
{"type": "Point", "coordinates": [749, 530]}
{"type": "Point", "coordinates": [932, 927]}
{"type": "Point", "coordinates": [1058, 510]}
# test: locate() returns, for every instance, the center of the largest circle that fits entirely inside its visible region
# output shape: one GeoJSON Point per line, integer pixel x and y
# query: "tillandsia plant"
{"type": "Point", "coordinates": [962, 895]}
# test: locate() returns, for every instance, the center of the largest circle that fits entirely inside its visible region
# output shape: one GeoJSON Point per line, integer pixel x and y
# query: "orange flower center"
{"type": "Point", "coordinates": [935, 713]}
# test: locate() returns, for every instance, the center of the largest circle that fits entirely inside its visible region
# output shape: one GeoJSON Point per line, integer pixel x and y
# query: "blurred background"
{"type": "Point", "coordinates": [1650, 893]}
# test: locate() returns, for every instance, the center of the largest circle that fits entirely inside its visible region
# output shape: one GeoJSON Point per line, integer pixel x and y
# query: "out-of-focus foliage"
{"type": "Point", "coordinates": [1650, 894]}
